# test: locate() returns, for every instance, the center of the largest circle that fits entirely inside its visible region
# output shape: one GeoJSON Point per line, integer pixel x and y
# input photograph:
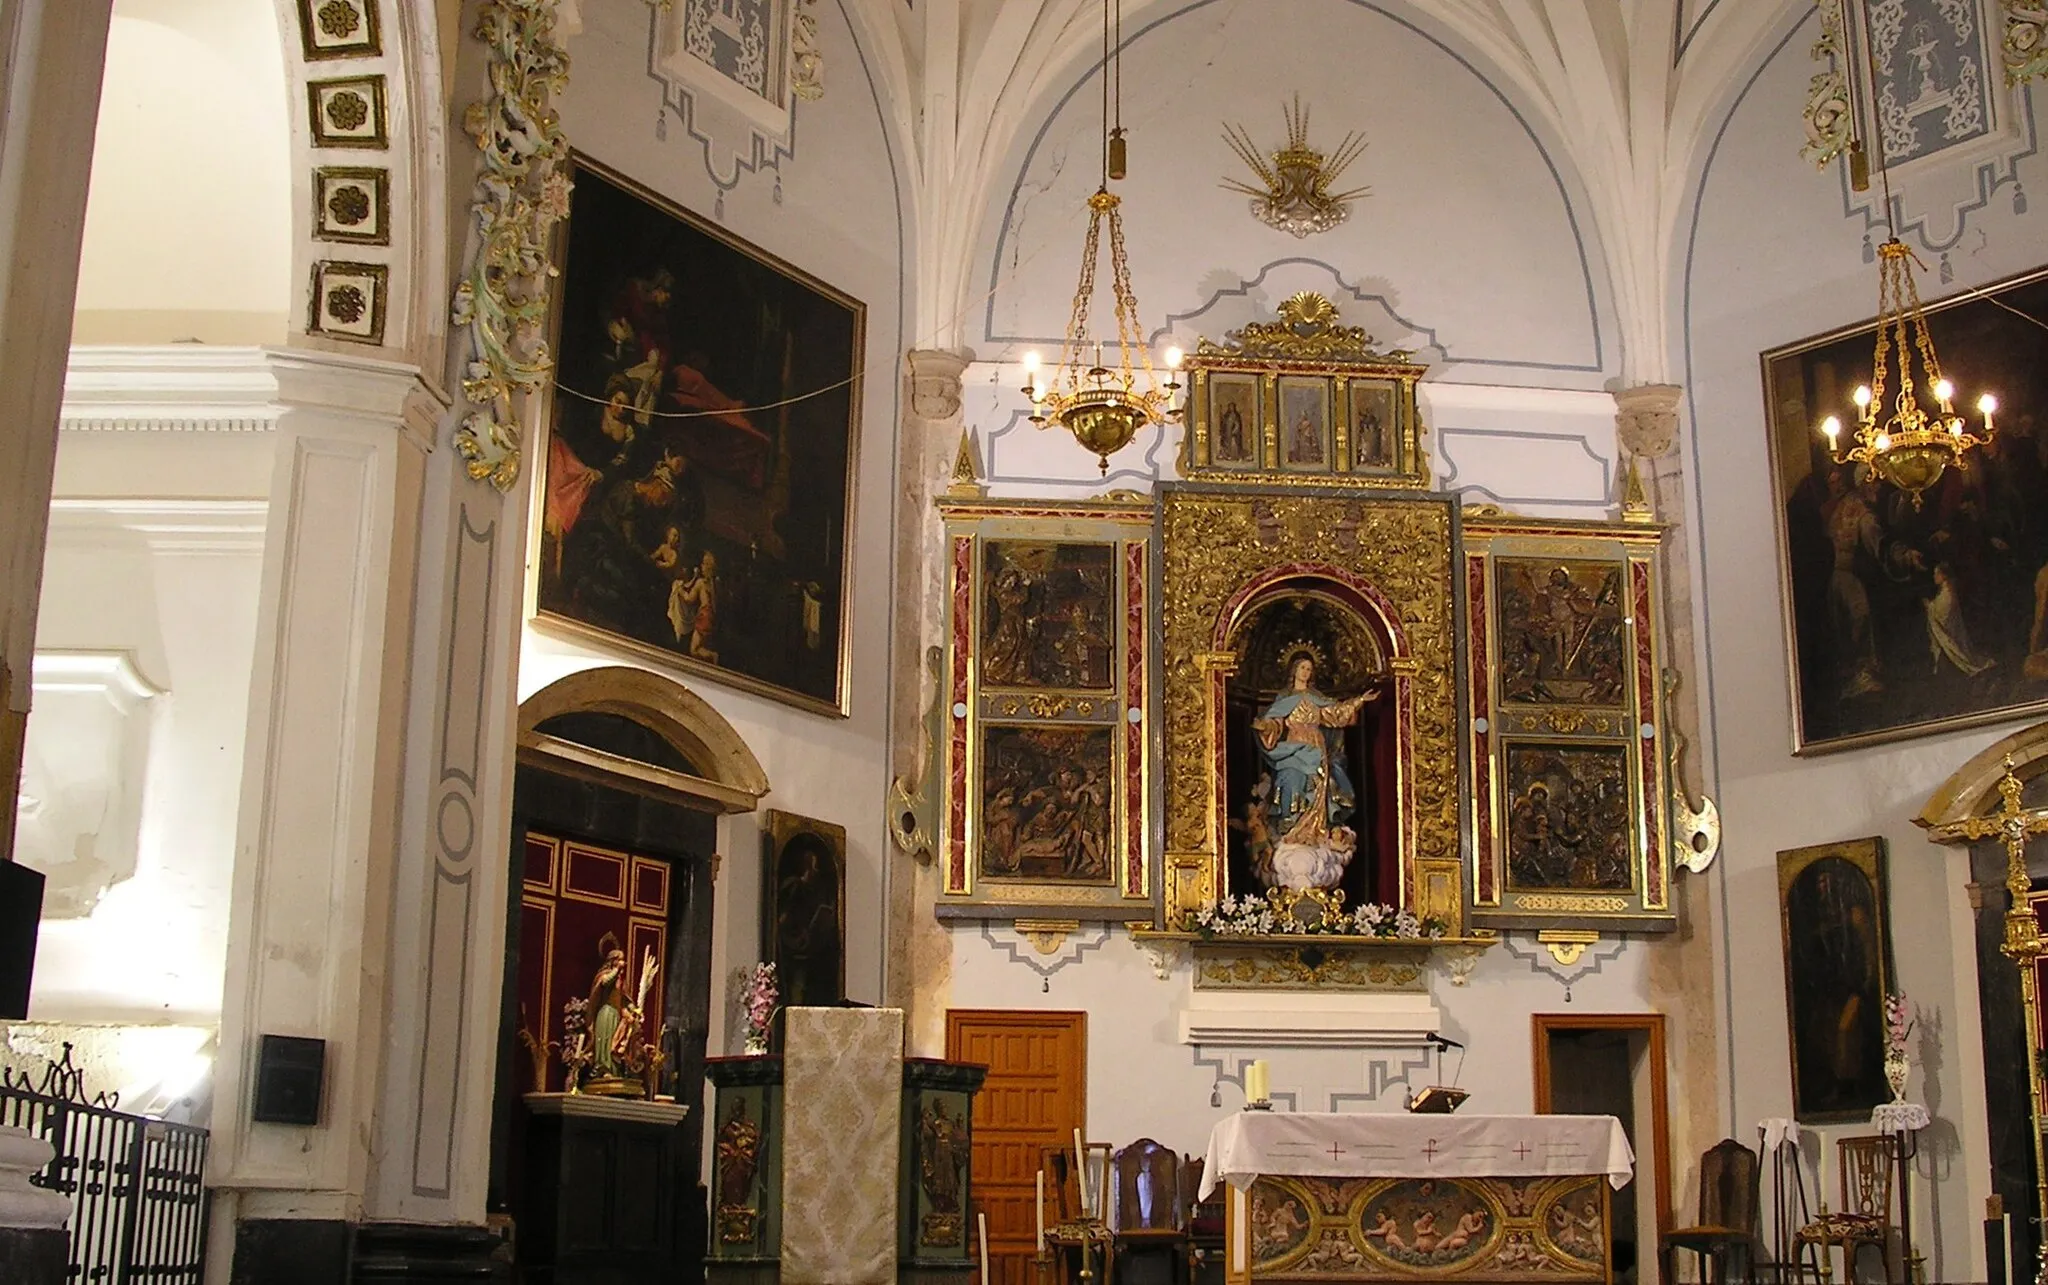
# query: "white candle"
{"type": "Point", "coordinates": [1041, 1211]}
{"type": "Point", "coordinates": [983, 1220]}
{"type": "Point", "coordinates": [1822, 1181]}
{"type": "Point", "coordinates": [1255, 1081]}
{"type": "Point", "coordinates": [1080, 1164]}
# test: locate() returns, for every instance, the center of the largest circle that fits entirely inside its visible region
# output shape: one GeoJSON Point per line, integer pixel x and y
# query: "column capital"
{"type": "Point", "coordinates": [1646, 419]}
{"type": "Point", "coordinates": [935, 381]}
{"type": "Point", "coordinates": [23, 1205]}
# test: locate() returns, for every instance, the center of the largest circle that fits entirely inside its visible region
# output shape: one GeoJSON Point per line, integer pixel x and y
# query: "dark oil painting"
{"type": "Point", "coordinates": [1046, 614]}
{"type": "Point", "coordinates": [1562, 640]}
{"type": "Point", "coordinates": [1045, 812]}
{"type": "Point", "coordinates": [1837, 967]}
{"type": "Point", "coordinates": [1568, 817]}
{"type": "Point", "coordinates": [697, 483]}
{"type": "Point", "coordinates": [1905, 621]}
{"type": "Point", "coordinates": [803, 923]}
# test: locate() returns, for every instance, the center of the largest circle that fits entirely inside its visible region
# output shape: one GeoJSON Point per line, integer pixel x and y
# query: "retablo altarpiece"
{"type": "Point", "coordinates": [1299, 668]}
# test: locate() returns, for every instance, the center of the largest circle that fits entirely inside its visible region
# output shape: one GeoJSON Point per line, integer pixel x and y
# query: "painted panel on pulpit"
{"type": "Point", "coordinates": [1046, 810]}
{"type": "Point", "coordinates": [696, 486]}
{"type": "Point", "coordinates": [1562, 640]}
{"type": "Point", "coordinates": [1568, 817]}
{"type": "Point", "coordinates": [1046, 615]}
{"type": "Point", "coordinates": [1833, 907]}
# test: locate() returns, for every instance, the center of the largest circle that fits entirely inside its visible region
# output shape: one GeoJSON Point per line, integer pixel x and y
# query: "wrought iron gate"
{"type": "Point", "coordinates": [136, 1185]}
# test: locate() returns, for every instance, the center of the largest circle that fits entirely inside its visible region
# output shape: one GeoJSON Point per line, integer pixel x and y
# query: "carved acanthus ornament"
{"type": "Point", "coordinates": [1306, 331]}
{"type": "Point", "coordinates": [521, 193]}
{"type": "Point", "coordinates": [2025, 47]}
{"type": "Point", "coordinates": [806, 59]}
{"type": "Point", "coordinates": [1829, 122]}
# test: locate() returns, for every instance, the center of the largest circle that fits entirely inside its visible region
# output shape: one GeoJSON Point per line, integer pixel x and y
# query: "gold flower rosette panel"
{"type": "Point", "coordinates": [1045, 692]}
{"type": "Point", "coordinates": [1446, 1229]}
{"type": "Point", "coordinates": [1228, 553]}
{"type": "Point", "coordinates": [1303, 401]}
{"type": "Point", "coordinates": [1567, 734]}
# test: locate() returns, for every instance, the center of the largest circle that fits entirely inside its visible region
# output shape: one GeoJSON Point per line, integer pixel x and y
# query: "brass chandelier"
{"type": "Point", "coordinates": [1904, 443]}
{"type": "Point", "coordinates": [1105, 405]}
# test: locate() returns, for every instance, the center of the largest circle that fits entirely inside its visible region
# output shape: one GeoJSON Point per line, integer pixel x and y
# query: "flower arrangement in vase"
{"type": "Point", "coordinates": [758, 999]}
{"type": "Point", "coordinates": [1898, 1027]}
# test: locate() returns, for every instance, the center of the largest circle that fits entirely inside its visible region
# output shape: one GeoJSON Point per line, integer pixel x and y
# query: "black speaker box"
{"type": "Point", "coordinates": [290, 1073]}
{"type": "Point", "coordinates": [21, 909]}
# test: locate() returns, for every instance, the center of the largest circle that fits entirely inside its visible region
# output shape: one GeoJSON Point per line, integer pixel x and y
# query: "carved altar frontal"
{"type": "Point", "coordinates": [1404, 1229]}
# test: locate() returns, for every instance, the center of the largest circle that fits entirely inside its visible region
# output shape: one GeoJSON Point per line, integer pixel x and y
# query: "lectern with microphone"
{"type": "Point", "coordinates": [1441, 1099]}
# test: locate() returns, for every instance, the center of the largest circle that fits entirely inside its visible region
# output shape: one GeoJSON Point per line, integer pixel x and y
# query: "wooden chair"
{"type": "Point", "coordinates": [1205, 1225]}
{"type": "Point", "coordinates": [1865, 1217]}
{"type": "Point", "coordinates": [1148, 1215]}
{"type": "Point", "coordinates": [1726, 1232]}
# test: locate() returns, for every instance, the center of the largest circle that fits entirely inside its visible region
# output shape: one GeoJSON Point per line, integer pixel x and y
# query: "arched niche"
{"type": "Point", "coordinates": [1973, 789]}
{"type": "Point", "coordinates": [1352, 636]}
{"type": "Point", "coordinates": [713, 770]}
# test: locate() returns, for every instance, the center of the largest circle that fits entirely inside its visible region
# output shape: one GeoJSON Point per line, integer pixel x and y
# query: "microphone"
{"type": "Point", "coordinates": [1443, 1043]}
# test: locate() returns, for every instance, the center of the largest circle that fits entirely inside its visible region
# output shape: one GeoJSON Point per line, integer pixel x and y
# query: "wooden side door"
{"type": "Point", "coordinates": [1035, 1097]}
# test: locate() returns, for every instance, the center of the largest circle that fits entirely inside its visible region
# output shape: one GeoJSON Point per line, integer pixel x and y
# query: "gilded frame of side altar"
{"type": "Point", "coordinates": [1303, 401]}
{"type": "Point", "coordinates": [1045, 700]}
{"type": "Point", "coordinates": [1567, 731]}
{"type": "Point", "coordinates": [1221, 547]}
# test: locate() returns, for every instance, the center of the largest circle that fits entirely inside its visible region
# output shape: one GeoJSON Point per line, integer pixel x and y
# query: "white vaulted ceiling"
{"type": "Point", "coordinates": [1624, 94]}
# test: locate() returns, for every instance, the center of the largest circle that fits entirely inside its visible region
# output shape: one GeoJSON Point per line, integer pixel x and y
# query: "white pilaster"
{"type": "Point", "coordinates": [312, 887]}
{"type": "Point", "coordinates": [51, 56]}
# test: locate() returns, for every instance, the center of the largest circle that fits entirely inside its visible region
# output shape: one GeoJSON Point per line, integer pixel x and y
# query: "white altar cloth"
{"type": "Point", "coordinates": [1387, 1145]}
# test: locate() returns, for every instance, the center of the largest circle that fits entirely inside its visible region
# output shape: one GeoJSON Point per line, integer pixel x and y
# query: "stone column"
{"type": "Point", "coordinates": [52, 53]}
{"type": "Point", "coordinates": [312, 894]}
{"type": "Point", "coordinates": [1684, 974]}
{"type": "Point", "coordinates": [33, 1244]}
{"type": "Point", "coordinates": [920, 950]}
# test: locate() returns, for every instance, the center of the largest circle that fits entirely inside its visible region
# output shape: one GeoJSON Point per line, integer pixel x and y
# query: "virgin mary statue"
{"type": "Point", "coordinates": [1311, 803]}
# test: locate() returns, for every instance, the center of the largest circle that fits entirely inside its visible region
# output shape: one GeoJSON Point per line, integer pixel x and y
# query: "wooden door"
{"type": "Point", "coordinates": [1035, 1097]}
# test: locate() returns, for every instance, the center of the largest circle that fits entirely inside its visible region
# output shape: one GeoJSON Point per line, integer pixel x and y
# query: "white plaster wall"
{"type": "Point", "coordinates": [188, 229]}
{"type": "Point", "coordinates": [1468, 234]}
{"type": "Point", "coordinates": [171, 581]}
{"type": "Point", "coordinates": [1753, 283]}
{"type": "Point", "coordinates": [836, 216]}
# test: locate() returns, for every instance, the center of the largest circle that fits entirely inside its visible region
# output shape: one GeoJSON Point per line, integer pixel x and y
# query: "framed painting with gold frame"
{"type": "Point", "coordinates": [1567, 737]}
{"type": "Point", "coordinates": [696, 475]}
{"type": "Point", "coordinates": [1835, 912]}
{"type": "Point", "coordinates": [1303, 400]}
{"type": "Point", "coordinates": [803, 908]}
{"type": "Point", "coordinates": [1044, 699]}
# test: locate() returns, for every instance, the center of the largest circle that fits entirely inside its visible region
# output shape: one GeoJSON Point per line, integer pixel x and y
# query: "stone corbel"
{"type": "Point", "coordinates": [935, 375]}
{"type": "Point", "coordinates": [1460, 961]}
{"type": "Point", "coordinates": [1645, 427]}
{"type": "Point", "coordinates": [1163, 953]}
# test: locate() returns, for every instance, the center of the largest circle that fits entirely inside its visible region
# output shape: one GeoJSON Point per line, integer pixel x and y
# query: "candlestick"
{"type": "Point", "coordinates": [1821, 1181]}
{"type": "Point", "coordinates": [1041, 1211]}
{"type": "Point", "coordinates": [983, 1220]}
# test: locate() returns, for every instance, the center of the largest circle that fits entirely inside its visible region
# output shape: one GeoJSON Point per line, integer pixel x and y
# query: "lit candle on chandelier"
{"type": "Point", "coordinates": [1987, 404]}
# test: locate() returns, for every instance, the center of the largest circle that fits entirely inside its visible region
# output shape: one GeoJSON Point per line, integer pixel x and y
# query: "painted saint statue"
{"type": "Point", "coordinates": [1310, 806]}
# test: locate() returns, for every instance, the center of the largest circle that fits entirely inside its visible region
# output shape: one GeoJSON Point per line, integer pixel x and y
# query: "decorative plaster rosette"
{"type": "Point", "coordinates": [520, 195]}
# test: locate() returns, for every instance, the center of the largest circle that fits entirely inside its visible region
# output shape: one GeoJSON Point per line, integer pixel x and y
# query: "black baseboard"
{"type": "Point", "coordinates": [290, 1251]}
{"type": "Point", "coordinates": [34, 1256]}
{"type": "Point", "coordinates": [295, 1251]}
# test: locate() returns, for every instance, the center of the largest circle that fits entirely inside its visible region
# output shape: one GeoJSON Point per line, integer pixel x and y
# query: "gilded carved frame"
{"type": "Point", "coordinates": [1628, 720]}
{"type": "Point", "coordinates": [973, 706]}
{"type": "Point", "coordinates": [1220, 548]}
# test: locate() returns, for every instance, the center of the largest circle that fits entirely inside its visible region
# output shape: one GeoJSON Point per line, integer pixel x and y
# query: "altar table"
{"type": "Point", "coordinates": [1388, 1197]}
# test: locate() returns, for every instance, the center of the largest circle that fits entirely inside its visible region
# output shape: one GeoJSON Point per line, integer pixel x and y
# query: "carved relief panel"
{"type": "Point", "coordinates": [1566, 731]}
{"type": "Point", "coordinates": [1045, 692]}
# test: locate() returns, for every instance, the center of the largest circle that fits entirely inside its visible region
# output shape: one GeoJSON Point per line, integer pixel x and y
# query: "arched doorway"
{"type": "Point", "coordinates": [621, 779]}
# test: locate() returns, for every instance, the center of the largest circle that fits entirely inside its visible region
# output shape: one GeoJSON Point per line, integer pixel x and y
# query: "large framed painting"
{"type": "Point", "coordinates": [697, 485]}
{"type": "Point", "coordinates": [1833, 906]}
{"type": "Point", "coordinates": [803, 913]}
{"type": "Point", "coordinates": [1904, 621]}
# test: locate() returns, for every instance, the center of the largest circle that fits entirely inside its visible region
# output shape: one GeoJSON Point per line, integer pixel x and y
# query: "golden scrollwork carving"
{"type": "Point", "coordinates": [1306, 330]}
{"type": "Point", "coordinates": [1305, 968]}
{"type": "Point", "coordinates": [1575, 903]}
{"type": "Point", "coordinates": [1215, 543]}
{"type": "Point", "coordinates": [1041, 705]}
